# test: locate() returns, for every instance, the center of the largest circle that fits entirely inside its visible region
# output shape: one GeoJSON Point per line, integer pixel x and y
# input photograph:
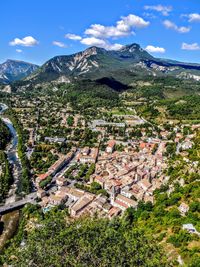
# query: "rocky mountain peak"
{"type": "Point", "coordinates": [93, 50]}
{"type": "Point", "coordinates": [12, 70]}
{"type": "Point", "coordinates": [131, 48]}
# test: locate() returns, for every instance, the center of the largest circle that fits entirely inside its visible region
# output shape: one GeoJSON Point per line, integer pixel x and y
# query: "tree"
{"type": "Point", "coordinates": [95, 186]}
{"type": "Point", "coordinates": [84, 242]}
{"type": "Point", "coordinates": [70, 121]}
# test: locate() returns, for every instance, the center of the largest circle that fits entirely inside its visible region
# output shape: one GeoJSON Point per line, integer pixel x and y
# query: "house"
{"type": "Point", "coordinates": [54, 140]}
{"type": "Point", "coordinates": [61, 181]}
{"type": "Point", "coordinates": [81, 204]}
{"type": "Point", "coordinates": [164, 134]}
{"type": "Point", "coordinates": [89, 155]}
{"type": "Point", "coordinates": [109, 183]}
{"type": "Point", "coordinates": [123, 202]}
{"type": "Point", "coordinates": [41, 193]}
{"type": "Point", "coordinates": [144, 184]}
{"type": "Point", "coordinates": [148, 198]}
{"type": "Point", "coordinates": [96, 207]}
{"type": "Point", "coordinates": [190, 228]}
{"type": "Point", "coordinates": [127, 180]}
{"type": "Point", "coordinates": [106, 207]}
{"type": "Point", "coordinates": [183, 208]}
{"type": "Point", "coordinates": [58, 198]}
{"type": "Point", "coordinates": [137, 192]}
{"type": "Point", "coordinates": [57, 166]}
{"type": "Point", "coordinates": [113, 212]}
{"type": "Point", "coordinates": [63, 192]}
{"type": "Point", "coordinates": [75, 193]}
{"type": "Point", "coordinates": [110, 147]}
{"type": "Point", "coordinates": [187, 145]}
{"type": "Point", "coordinates": [100, 201]}
{"type": "Point", "coordinates": [45, 201]}
{"type": "Point", "coordinates": [125, 191]}
{"type": "Point", "coordinates": [85, 151]}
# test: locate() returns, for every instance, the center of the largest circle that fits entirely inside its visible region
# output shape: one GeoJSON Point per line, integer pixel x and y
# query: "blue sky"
{"type": "Point", "coordinates": [36, 30]}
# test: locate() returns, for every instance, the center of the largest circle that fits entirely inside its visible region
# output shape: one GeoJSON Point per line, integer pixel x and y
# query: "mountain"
{"type": "Point", "coordinates": [96, 63]}
{"type": "Point", "coordinates": [13, 70]}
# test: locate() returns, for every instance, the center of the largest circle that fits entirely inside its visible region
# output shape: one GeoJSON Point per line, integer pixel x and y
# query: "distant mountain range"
{"type": "Point", "coordinates": [122, 65]}
{"type": "Point", "coordinates": [13, 70]}
{"type": "Point", "coordinates": [97, 63]}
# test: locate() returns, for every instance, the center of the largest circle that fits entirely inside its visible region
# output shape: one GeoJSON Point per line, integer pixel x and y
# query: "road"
{"type": "Point", "coordinates": [31, 198]}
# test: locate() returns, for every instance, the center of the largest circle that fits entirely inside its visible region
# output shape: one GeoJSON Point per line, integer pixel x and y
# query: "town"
{"type": "Point", "coordinates": [97, 165]}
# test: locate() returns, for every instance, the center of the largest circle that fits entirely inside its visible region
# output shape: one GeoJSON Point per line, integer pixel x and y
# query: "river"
{"type": "Point", "coordinates": [12, 155]}
{"type": "Point", "coordinates": [9, 221]}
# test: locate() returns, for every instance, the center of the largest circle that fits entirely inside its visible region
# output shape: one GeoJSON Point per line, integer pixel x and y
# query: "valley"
{"type": "Point", "coordinates": [95, 143]}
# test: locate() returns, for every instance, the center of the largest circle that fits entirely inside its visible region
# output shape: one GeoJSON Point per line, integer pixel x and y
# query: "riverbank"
{"type": "Point", "coordinates": [8, 227]}
{"type": "Point", "coordinates": [9, 222]}
{"type": "Point", "coordinates": [12, 155]}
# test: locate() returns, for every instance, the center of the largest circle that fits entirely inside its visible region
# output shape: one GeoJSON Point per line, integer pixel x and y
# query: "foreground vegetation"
{"type": "Point", "coordinates": [5, 135]}
{"type": "Point", "coordinates": [6, 177]}
{"type": "Point", "coordinates": [55, 241]}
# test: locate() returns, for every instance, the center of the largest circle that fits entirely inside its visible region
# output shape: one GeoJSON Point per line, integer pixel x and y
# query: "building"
{"type": "Point", "coordinates": [187, 145]}
{"type": "Point", "coordinates": [102, 123]}
{"type": "Point", "coordinates": [54, 140]}
{"type": "Point", "coordinates": [79, 206]}
{"type": "Point", "coordinates": [41, 193]}
{"type": "Point", "coordinates": [144, 184]}
{"type": "Point", "coordinates": [85, 151]}
{"type": "Point", "coordinates": [111, 146]}
{"type": "Point", "coordinates": [190, 228]}
{"type": "Point", "coordinates": [75, 193]}
{"type": "Point", "coordinates": [61, 181]}
{"type": "Point", "coordinates": [57, 199]}
{"type": "Point", "coordinates": [56, 167]}
{"type": "Point", "coordinates": [113, 212]}
{"type": "Point", "coordinates": [183, 208]}
{"type": "Point", "coordinates": [89, 155]}
{"type": "Point", "coordinates": [122, 202]}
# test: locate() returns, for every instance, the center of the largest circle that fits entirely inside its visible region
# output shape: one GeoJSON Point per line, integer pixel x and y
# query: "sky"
{"type": "Point", "coordinates": [37, 30]}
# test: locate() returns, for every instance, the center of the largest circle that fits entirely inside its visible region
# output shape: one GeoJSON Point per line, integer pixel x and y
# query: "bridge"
{"type": "Point", "coordinates": [31, 198]}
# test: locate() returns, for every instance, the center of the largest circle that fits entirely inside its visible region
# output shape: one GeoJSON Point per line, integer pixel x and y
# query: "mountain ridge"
{"type": "Point", "coordinates": [96, 63]}
{"type": "Point", "coordinates": [12, 70]}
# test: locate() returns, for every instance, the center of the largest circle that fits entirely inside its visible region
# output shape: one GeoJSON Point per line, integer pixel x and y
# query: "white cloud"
{"type": "Point", "coordinates": [26, 41]}
{"type": "Point", "coordinates": [155, 49]}
{"type": "Point", "coordinates": [149, 15]}
{"type": "Point", "coordinates": [18, 50]}
{"type": "Point", "coordinates": [132, 21]}
{"type": "Point", "coordinates": [99, 35]}
{"type": "Point", "coordinates": [100, 31]}
{"type": "Point", "coordinates": [192, 47]}
{"type": "Point", "coordinates": [113, 46]}
{"type": "Point", "coordinates": [194, 17]}
{"type": "Point", "coordinates": [72, 36]}
{"type": "Point", "coordinates": [171, 25]}
{"type": "Point", "coordinates": [93, 41]}
{"type": "Point", "coordinates": [59, 44]}
{"type": "Point", "coordinates": [123, 27]}
{"type": "Point", "coordinates": [165, 10]}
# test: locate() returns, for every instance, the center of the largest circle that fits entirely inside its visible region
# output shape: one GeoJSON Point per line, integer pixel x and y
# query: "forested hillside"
{"type": "Point", "coordinates": [4, 135]}
{"type": "Point", "coordinates": [52, 240]}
